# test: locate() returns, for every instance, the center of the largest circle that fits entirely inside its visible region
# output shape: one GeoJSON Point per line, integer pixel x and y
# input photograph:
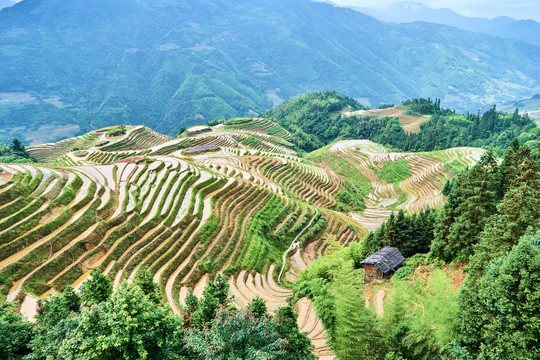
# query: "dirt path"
{"type": "Point", "coordinates": [29, 307]}
{"type": "Point", "coordinates": [293, 244]}
{"type": "Point", "coordinates": [379, 301]}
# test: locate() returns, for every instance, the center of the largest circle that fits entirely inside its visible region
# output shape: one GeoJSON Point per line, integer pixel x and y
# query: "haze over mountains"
{"type": "Point", "coordinates": [6, 3]}
{"type": "Point", "coordinates": [503, 26]}
{"type": "Point", "coordinates": [72, 66]}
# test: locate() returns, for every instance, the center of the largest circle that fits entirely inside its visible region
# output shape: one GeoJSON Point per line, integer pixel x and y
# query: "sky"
{"type": "Point", "coordinates": [518, 9]}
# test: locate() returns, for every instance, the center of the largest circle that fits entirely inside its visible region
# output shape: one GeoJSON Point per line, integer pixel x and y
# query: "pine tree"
{"type": "Point", "coordinates": [473, 201]}
{"type": "Point", "coordinates": [517, 213]}
{"type": "Point", "coordinates": [257, 306]}
{"type": "Point", "coordinates": [499, 315]}
{"type": "Point", "coordinates": [215, 295]}
{"type": "Point", "coordinates": [192, 303]}
{"type": "Point", "coordinates": [15, 333]}
{"type": "Point", "coordinates": [298, 346]}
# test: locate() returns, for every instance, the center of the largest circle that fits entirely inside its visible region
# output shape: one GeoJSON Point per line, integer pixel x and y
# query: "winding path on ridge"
{"type": "Point", "coordinates": [293, 244]}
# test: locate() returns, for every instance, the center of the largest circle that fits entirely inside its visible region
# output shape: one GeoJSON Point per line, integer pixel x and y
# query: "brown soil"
{"type": "Point", "coordinates": [456, 273]}
{"type": "Point", "coordinates": [408, 122]}
{"type": "Point", "coordinates": [50, 216]}
{"type": "Point", "coordinates": [88, 264]}
{"type": "Point", "coordinates": [367, 296]}
{"type": "Point", "coordinates": [459, 278]}
{"type": "Point", "coordinates": [379, 301]}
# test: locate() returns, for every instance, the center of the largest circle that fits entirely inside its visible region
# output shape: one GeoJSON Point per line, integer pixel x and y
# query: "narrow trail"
{"type": "Point", "coordinates": [379, 301]}
{"type": "Point", "coordinates": [293, 244]}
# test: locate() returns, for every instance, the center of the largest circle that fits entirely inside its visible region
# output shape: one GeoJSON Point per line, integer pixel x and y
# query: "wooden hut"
{"type": "Point", "coordinates": [382, 264]}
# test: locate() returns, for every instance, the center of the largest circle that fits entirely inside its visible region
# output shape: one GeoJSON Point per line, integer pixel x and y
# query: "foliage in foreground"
{"type": "Point", "coordinates": [490, 207]}
{"type": "Point", "coordinates": [130, 323]}
{"type": "Point", "coordinates": [499, 314]}
{"type": "Point", "coordinates": [426, 316]}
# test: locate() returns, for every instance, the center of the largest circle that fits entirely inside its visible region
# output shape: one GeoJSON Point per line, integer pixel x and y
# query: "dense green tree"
{"type": "Point", "coordinates": [356, 335]}
{"type": "Point", "coordinates": [518, 213]}
{"type": "Point", "coordinates": [473, 201]}
{"type": "Point", "coordinates": [499, 315]}
{"type": "Point", "coordinates": [55, 323]}
{"type": "Point", "coordinates": [145, 281]}
{"type": "Point", "coordinates": [97, 288]}
{"type": "Point", "coordinates": [237, 335]}
{"type": "Point", "coordinates": [18, 148]}
{"type": "Point", "coordinates": [14, 153]}
{"type": "Point", "coordinates": [220, 289]}
{"type": "Point", "coordinates": [411, 234]}
{"type": "Point", "coordinates": [316, 120]}
{"type": "Point", "coordinates": [15, 333]}
{"type": "Point", "coordinates": [192, 303]}
{"type": "Point", "coordinates": [127, 326]}
{"type": "Point", "coordinates": [257, 306]}
{"type": "Point", "coordinates": [215, 295]}
{"type": "Point", "coordinates": [298, 346]}
{"type": "Point", "coordinates": [54, 309]}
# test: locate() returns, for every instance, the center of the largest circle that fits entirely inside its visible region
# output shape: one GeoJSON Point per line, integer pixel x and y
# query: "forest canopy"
{"type": "Point", "coordinates": [15, 153]}
{"type": "Point", "coordinates": [318, 119]}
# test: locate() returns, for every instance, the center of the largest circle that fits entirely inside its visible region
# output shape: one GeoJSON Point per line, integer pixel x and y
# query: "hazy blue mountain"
{"type": "Point", "coordinates": [529, 106]}
{"type": "Point", "coordinates": [5, 4]}
{"type": "Point", "coordinates": [68, 66]}
{"type": "Point", "coordinates": [406, 12]}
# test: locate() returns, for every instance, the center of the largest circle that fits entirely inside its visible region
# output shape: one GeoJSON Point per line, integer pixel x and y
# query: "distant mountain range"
{"type": "Point", "coordinates": [71, 66]}
{"type": "Point", "coordinates": [406, 12]}
{"type": "Point", "coordinates": [6, 3]}
{"type": "Point", "coordinates": [530, 107]}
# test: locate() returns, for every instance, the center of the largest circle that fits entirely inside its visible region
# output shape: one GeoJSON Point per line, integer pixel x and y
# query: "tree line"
{"type": "Point", "coordinates": [318, 119]}
{"type": "Point", "coordinates": [14, 153]}
{"type": "Point", "coordinates": [130, 322]}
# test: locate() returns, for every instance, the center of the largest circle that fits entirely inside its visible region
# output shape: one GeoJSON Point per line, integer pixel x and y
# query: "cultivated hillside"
{"type": "Point", "coordinates": [234, 198]}
{"type": "Point", "coordinates": [93, 66]}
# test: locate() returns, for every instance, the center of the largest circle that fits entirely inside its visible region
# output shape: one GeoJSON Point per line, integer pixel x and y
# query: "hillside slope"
{"type": "Point", "coordinates": [233, 198]}
{"type": "Point", "coordinates": [93, 66]}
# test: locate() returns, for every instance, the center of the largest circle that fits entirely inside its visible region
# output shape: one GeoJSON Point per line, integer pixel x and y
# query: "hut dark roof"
{"type": "Point", "coordinates": [386, 259]}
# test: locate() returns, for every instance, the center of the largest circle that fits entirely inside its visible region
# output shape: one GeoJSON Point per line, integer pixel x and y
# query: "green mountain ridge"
{"type": "Point", "coordinates": [112, 62]}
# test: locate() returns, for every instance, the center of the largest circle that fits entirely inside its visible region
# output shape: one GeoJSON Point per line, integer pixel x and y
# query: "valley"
{"type": "Point", "coordinates": [186, 68]}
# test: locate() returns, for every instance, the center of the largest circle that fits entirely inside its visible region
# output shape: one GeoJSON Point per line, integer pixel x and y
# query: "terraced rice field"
{"type": "Point", "coordinates": [252, 210]}
{"type": "Point", "coordinates": [419, 191]}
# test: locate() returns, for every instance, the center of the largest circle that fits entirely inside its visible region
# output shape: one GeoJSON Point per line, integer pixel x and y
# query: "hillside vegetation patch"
{"type": "Point", "coordinates": [393, 171]}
